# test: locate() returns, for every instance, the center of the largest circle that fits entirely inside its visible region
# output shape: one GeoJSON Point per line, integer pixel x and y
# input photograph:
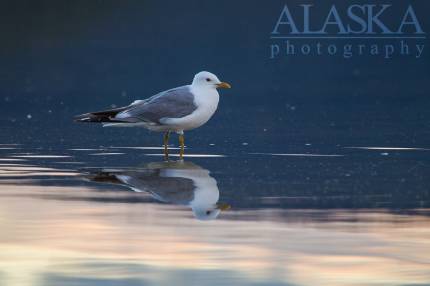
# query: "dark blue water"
{"type": "Point", "coordinates": [314, 169]}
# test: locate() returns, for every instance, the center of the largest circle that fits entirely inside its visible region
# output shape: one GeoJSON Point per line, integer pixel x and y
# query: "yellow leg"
{"type": "Point", "coordinates": [166, 142]}
{"type": "Point", "coordinates": [181, 142]}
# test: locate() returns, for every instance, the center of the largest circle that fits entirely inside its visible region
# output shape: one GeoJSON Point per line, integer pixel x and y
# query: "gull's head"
{"type": "Point", "coordinates": [210, 212]}
{"type": "Point", "coordinates": [208, 80]}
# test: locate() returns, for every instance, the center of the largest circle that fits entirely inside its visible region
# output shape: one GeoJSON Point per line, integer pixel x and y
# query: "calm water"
{"type": "Point", "coordinates": [315, 170]}
{"type": "Point", "coordinates": [119, 215]}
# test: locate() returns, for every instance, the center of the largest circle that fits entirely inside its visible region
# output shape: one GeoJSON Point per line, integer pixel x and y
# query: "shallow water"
{"type": "Point", "coordinates": [314, 169]}
{"type": "Point", "coordinates": [119, 215]}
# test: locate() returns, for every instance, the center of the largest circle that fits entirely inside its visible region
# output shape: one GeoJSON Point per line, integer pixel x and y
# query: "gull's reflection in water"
{"type": "Point", "coordinates": [174, 182]}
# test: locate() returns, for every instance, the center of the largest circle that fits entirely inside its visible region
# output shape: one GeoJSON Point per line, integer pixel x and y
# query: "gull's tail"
{"type": "Point", "coordinates": [100, 176]}
{"type": "Point", "coordinates": [101, 116]}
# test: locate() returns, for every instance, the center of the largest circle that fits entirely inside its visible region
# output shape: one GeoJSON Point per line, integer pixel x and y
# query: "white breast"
{"type": "Point", "coordinates": [206, 100]}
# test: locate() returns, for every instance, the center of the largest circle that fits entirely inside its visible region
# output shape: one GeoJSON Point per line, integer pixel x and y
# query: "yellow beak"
{"type": "Point", "coordinates": [223, 206]}
{"type": "Point", "coordinates": [223, 85]}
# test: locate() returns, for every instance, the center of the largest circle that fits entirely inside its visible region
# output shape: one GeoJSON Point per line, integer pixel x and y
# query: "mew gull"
{"type": "Point", "coordinates": [174, 110]}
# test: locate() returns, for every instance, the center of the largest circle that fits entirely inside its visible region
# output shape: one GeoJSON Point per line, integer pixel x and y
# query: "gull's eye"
{"type": "Point", "coordinates": [208, 79]}
{"type": "Point", "coordinates": [208, 212]}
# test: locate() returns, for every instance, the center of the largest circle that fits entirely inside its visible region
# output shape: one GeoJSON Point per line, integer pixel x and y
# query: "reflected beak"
{"type": "Point", "coordinates": [223, 85]}
{"type": "Point", "coordinates": [223, 206]}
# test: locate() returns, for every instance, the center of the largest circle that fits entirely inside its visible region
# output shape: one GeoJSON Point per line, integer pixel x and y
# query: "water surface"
{"type": "Point", "coordinates": [125, 217]}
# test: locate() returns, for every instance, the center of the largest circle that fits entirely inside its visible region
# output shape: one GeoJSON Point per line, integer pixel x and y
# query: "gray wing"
{"type": "Point", "coordinates": [173, 103]}
{"type": "Point", "coordinates": [174, 190]}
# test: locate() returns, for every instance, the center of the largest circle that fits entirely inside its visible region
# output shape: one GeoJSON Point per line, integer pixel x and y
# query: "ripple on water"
{"type": "Point", "coordinates": [71, 163]}
{"type": "Point", "coordinates": [387, 148]}
{"type": "Point", "coordinates": [299, 154]}
{"type": "Point", "coordinates": [21, 170]}
{"type": "Point", "coordinates": [145, 147]}
{"type": "Point", "coordinates": [106, 154]}
{"type": "Point", "coordinates": [41, 156]}
{"type": "Point", "coordinates": [190, 155]}
{"type": "Point", "coordinates": [85, 149]}
{"type": "Point", "coordinates": [12, 160]}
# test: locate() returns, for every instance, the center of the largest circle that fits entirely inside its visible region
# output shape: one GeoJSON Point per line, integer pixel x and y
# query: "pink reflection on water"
{"type": "Point", "coordinates": [47, 229]}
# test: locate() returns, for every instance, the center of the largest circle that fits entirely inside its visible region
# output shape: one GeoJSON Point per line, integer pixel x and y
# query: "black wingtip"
{"type": "Point", "coordinates": [95, 118]}
{"type": "Point", "coordinates": [99, 116]}
{"type": "Point", "coordinates": [82, 118]}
